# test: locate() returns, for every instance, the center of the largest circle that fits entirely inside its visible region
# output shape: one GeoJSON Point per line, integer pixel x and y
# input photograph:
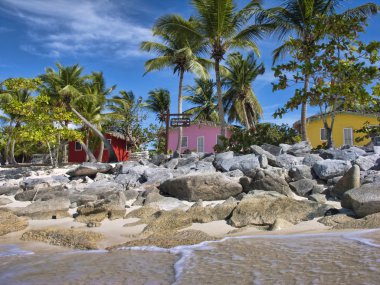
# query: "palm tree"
{"type": "Point", "coordinates": [220, 27]}
{"type": "Point", "coordinates": [296, 17]}
{"type": "Point", "coordinates": [177, 52]}
{"type": "Point", "coordinates": [202, 95]}
{"type": "Point", "coordinates": [240, 100]}
{"type": "Point", "coordinates": [67, 86]}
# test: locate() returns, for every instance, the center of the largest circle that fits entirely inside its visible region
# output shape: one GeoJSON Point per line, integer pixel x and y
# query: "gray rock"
{"type": "Point", "coordinates": [187, 161]}
{"type": "Point", "coordinates": [367, 162]}
{"type": "Point", "coordinates": [132, 178]}
{"type": "Point", "coordinates": [42, 210]}
{"type": "Point", "coordinates": [319, 198]}
{"type": "Point", "coordinates": [286, 161]}
{"type": "Point", "coordinates": [341, 154]}
{"type": "Point", "coordinates": [263, 159]}
{"type": "Point", "coordinates": [5, 201]}
{"type": "Point", "coordinates": [203, 186]}
{"type": "Point", "coordinates": [311, 159]}
{"type": "Point", "coordinates": [55, 182]}
{"type": "Point", "coordinates": [165, 203]}
{"type": "Point", "coordinates": [43, 194]}
{"type": "Point", "coordinates": [371, 176]}
{"type": "Point", "coordinates": [126, 166]}
{"type": "Point", "coordinates": [131, 194]}
{"type": "Point", "coordinates": [102, 176]}
{"type": "Point", "coordinates": [234, 173]}
{"type": "Point", "coordinates": [158, 175]}
{"type": "Point", "coordinates": [285, 147]}
{"type": "Point", "coordinates": [330, 168]}
{"type": "Point", "coordinates": [280, 224]}
{"type": "Point", "coordinates": [90, 169]}
{"type": "Point", "coordinates": [171, 163]}
{"type": "Point", "coordinates": [221, 158]}
{"type": "Point", "coordinates": [203, 166]}
{"type": "Point", "coordinates": [318, 189]}
{"type": "Point", "coordinates": [82, 199]}
{"type": "Point", "coordinates": [364, 200]}
{"type": "Point", "coordinates": [260, 151]}
{"type": "Point", "coordinates": [350, 180]}
{"type": "Point", "coordinates": [245, 163]}
{"type": "Point", "coordinates": [275, 150]}
{"type": "Point", "coordinates": [246, 183]}
{"type": "Point", "coordinates": [303, 187]}
{"type": "Point", "coordinates": [159, 159]}
{"type": "Point", "coordinates": [300, 149]}
{"type": "Point", "coordinates": [272, 183]}
{"type": "Point", "coordinates": [102, 189]}
{"type": "Point", "coordinates": [299, 172]}
{"type": "Point", "coordinates": [9, 189]}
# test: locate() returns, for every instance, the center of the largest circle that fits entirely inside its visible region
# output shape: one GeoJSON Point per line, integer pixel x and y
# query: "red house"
{"type": "Point", "coordinates": [118, 143]}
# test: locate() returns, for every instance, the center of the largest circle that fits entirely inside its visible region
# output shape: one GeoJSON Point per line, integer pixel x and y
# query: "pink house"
{"type": "Point", "coordinates": [199, 137]}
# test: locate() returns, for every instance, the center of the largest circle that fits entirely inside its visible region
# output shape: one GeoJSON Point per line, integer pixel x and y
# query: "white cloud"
{"type": "Point", "coordinates": [70, 27]}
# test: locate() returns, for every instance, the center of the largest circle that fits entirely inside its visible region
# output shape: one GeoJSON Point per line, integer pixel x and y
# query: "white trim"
{"type": "Point", "coordinates": [203, 143]}
{"type": "Point", "coordinates": [352, 137]}
{"type": "Point", "coordinates": [320, 134]}
{"type": "Point", "coordinates": [187, 141]}
{"type": "Point", "coordinates": [75, 146]}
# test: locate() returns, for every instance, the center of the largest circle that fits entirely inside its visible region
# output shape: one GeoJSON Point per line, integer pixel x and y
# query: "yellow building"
{"type": "Point", "coordinates": [343, 131]}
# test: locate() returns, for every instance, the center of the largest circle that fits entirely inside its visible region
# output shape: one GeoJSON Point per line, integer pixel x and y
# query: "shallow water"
{"type": "Point", "coordinates": [336, 258]}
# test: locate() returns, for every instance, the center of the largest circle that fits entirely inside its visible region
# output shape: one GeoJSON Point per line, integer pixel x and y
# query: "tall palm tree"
{"type": "Point", "coordinates": [158, 102]}
{"type": "Point", "coordinates": [203, 96]}
{"type": "Point", "coordinates": [221, 26]}
{"type": "Point", "coordinates": [66, 86]}
{"type": "Point", "coordinates": [240, 100]}
{"type": "Point", "coordinates": [296, 17]}
{"type": "Point", "coordinates": [177, 52]}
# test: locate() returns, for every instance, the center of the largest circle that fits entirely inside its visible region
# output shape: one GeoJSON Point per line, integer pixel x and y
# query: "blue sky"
{"type": "Point", "coordinates": [104, 35]}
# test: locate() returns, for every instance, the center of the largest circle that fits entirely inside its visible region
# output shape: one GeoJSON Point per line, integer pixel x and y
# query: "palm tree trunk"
{"type": "Point", "coordinates": [304, 110]}
{"type": "Point", "coordinates": [112, 155]}
{"type": "Point", "coordinates": [88, 152]}
{"type": "Point", "coordinates": [179, 143]}
{"type": "Point", "coordinates": [101, 150]}
{"type": "Point", "coordinates": [220, 98]}
{"type": "Point", "coordinates": [7, 157]}
{"type": "Point", "coordinates": [13, 160]}
{"type": "Point", "coordinates": [247, 124]}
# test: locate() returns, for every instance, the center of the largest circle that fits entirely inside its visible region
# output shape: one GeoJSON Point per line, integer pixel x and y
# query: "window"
{"type": "Point", "coordinates": [347, 136]}
{"type": "Point", "coordinates": [218, 139]}
{"type": "Point", "coordinates": [323, 135]}
{"type": "Point", "coordinates": [184, 142]}
{"type": "Point", "coordinates": [78, 146]}
{"type": "Point", "coordinates": [109, 140]}
{"type": "Point", "coordinates": [200, 144]}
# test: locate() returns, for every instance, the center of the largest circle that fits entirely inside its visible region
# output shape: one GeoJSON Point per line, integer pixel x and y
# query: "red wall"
{"type": "Point", "coordinates": [118, 145]}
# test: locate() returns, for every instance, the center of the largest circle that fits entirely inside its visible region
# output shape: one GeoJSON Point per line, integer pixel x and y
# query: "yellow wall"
{"type": "Point", "coordinates": [342, 120]}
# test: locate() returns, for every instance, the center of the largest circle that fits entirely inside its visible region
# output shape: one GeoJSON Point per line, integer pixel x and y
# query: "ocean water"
{"type": "Point", "coordinates": [328, 258]}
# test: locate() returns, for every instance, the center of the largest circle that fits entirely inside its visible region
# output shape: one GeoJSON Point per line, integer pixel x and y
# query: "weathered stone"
{"type": "Point", "coordinates": [246, 183]}
{"type": "Point", "coordinates": [245, 163]}
{"type": "Point", "coordinates": [200, 214]}
{"type": "Point", "coordinates": [44, 210]}
{"type": "Point", "coordinates": [371, 176]}
{"type": "Point", "coordinates": [81, 199]}
{"type": "Point", "coordinates": [171, 163]}
{"type": "Point", "coordinates": [350, 180]}
{"type": "Point", "coordinates": [205, 186]}
{"type": "Point", "coordinates": [131, 194]}
{"type": "Point", "coordinates": [319, 198]}
{"type": "Point", "coordinates": [167, 221]}
{"type": "Point", "coordinates": [275, 150]}
{"type": "Point", "coordinates": [318, 189]}
{"type": "Point", "coordinates": [9, 189]}
{"type": "Point", "coordinates": [260, 151]}
{"type": "Point", "coordinates": [368, 222]}
{"type": "Point", "coordinates": [130, 180]}
{"type": "Point", "coordinates": [5, 201]}
{"type": "Point", "coordinates": [55, 182]}
{"type": "Point", "coordinates": [329, 168]}
{"type": "Point", "coordinates": [263, 159]}
{"type": "Point", "coordinates": [90, 169]}
{"type": "Point", "coordinates": [234, 173]}
{"type": "Point", "coordinates": [284, 147]}
{"type": "Point", "coordinates": [157, 175]}
{"type": "Point", "coordinates": [340, 154]}
{"type": "Point", "coordinates": [102, 189]}
{"type": "Point", "coordinates": [272, 183]}
{"type": "Point", "coordinates": [364, 200]}
{"type": "Point", "coordinates": [286, 161]}
{"type": "Point", "coordinates": [335, 220]}
{"type": "Point", "coordinates": [9, 222]}
{"type": "Point", "coordinates": [159, 159]}
{"type": "Point", "coordinates": [126, 166]}
{"type": "Point", "coordinates": [280, 224]}
{"type": "Point", "coordinates": [311, 159]}
{"type": "Point", "coordinates": [187, 161]}
{"type": "Point", "coordinates": [65, 237]}
{"type": "Point", "coordinates": [143, 213]}
{"type": "Point", "coordinates": [300, 149]}
{"type": "Point", "coordinates": [265, 210]}
{"type": "Point", "coordinates": [364, 163]}
{"type": "Point", "coordinates": [299, 172]}
{"type": "Point", "coordinates": [163, 203]}
{"type": "Point", "coordinates": [43, 195]}
{"type": "Point", "coordinates": [303, 187]}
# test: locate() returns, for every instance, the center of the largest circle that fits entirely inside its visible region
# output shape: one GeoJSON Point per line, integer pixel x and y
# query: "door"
{"type": "Point", "coordinates": [347, 136]}
{"type": "Point", "coordinates": [200, 144]}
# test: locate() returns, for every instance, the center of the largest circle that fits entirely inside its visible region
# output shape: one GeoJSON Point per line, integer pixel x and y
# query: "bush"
{"type": "Point", "coordinates": [241, 139]}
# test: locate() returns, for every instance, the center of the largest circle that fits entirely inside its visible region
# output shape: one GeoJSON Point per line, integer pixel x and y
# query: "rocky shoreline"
{"type": "Point", "coordinates": [165, 201]}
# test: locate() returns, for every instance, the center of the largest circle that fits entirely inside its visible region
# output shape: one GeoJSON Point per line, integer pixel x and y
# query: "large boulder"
{"type": "Point", "coordinates": [204, 186]}
{"type": "Point", "coordinates": [342, 154]}
{"type": "Point", "coordinates": [350, 180]}
{"type": "Point", "coordinates": [168, 221]}
{"type": "Point", "coordinates": [9, 222]}
{"type": "Point", "coordinates": [126, 166]}
{"type": "Point", "coordinates": [368, 222]}
{"type": "Point", "coordinates": [275, 150]}
{"type": "Point", "coordinates": [310, 159]}
{"type": "Point", "coordinates": [303, 187]}
{"type": "Point", "coordinates": [9, 189]}
{"type": "Point", "coordinates": [300, 149]}
{"type": "Point", "coordinates": [90, 169]}
{"type": "Point", "coordinates": [367, 162]}
{"type": "Point", "coordinates": [158, 175]}
{"type": "Point", "coordinates": [299, 172]}
{"type": "Point", "coordinates": [265, 210]}
{"type": "Point", "coordinates": [260, 151]}
{"type": "Point", "coordinates": [286, 161]}
{"type": "Point", "coordinates": [55, 182]}
{"type": "Point", "coordinates": [331, 168]}
{"type": "Point", "coordinates": [271, 183]}
{"type": "Point", "coordinates": [201, 214]}
{"type": "Point", "coordinates": [44, 210]}
{"type": "Point", "coordinates": [102, 189]}
{"type": "Point", "coordinates": [43, 194]}
{"type": "Point", "coordinates": [227, 162]}
{"type": "Point", "coordinates": [364, 200]}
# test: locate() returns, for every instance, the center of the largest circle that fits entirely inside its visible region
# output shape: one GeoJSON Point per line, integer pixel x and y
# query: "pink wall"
{"type": "Point", "coordinates": [192, 133]}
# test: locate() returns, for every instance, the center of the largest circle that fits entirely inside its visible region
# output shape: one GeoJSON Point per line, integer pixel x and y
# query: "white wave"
{"type": "Point", "coordinates": [13, 250]}
{"type": "Point", "coordinates": [356, 236]}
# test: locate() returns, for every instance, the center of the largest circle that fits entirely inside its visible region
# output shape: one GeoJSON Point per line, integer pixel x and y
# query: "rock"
{"type": "Point", "coordinates": [335, 220]}
{"type": "Point", "coordinates": [263, 161]}
{"type": "Point", "coordinates": [9, 222]}
{"type": "Point", "coordinates": [5, 201]}
{"type": "Point", "coordinates": [186, 161]}
{"type": "Point", "coordinates": [204, 166]}
{"type": "Point", "coordinates": [350, 180]}
{"type": "Point", "coordinates": [159, 159]}
{"type": "Point", "coordinates": [143, 213]}
{"type": "Point", "coordinates": [318, 189]}
{"type": "Point", "coordinates": [169, 240]}
{"type": "Point", "coordinates": [126, 166]}
{"type": "Point", "coordinates": [364, 200]}
{"type": "Point", "coordinates": [338, 154]}
{"type": "Point", "coordinates": [81, 199]}
{"type": "Point", "coordinates": [371, 176]}
{"type": "Point", "coordinates": [131, 194]}
{"type": "Point", "coordinates": [284, 147]}
{"type": "Point", "coordinates": [299, 172]}
{"type": "Point", "coordinates": [45, 210]}
{"type": "Point", "coordinates": [330, 168]}
{"type": "Point", "coordinates": [364, 163]}
{"type": "Point", "coordinates": [55, 182]}
{"type": "Point", "coordinates": [275, 150]}
{"type": "Point", "coordinates": [90, 169]}
{"type": "Point", "coordinates": [311, 159]}
{"type": "Point", "coordinates": [164, 203]}
{"type": "Point", "coordinates": [200, 214]}
{"type": "Point", "coordinates": [167, 221]}
{"type": "Point", "coordinates": [40, 195]}
{"type": "Point", "coordinates": [260, 151]}
{"type": "Point", "coordinates": [157, 175]}
{"type": "Point", "coordinates": [246, 182]}
{"type": "Point", "coordinates": [319, 198]}
{"type": "Point", "coordinates": [171, 163]}
{"type": "Point", "coordinates": [102, 189]}
{"type": "Point", "coordinates": [300, 149]}
{"type": "Point", "coordinates": [265, 210]}
{"type": "Point", "coordinates": [272, 183]}
{"type": "Point", "coordinates": [65, 237]}
{"type": "Point", "coordinates": [9, 189]}
{"type": "Point", "coordinates": [234, 173]}
{"type": "Point", "coordinates": [203, 186]}
{"type": "Point", "coordinates": [286, 161]}
{"type": "Point", "coordinates": [102, 176]}
{"type": "Point", "coordinates": [245, 163]}
{"type": "Point", "coordinates": [368, 222]}
{"type": "Point", "coordinates": [280, 224]}
{"type": "Point", "coordinates": [303, 187]}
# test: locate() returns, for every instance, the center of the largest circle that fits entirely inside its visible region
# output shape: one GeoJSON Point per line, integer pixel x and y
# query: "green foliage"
{"type": "Point", "coordinates": [369, 131]}
{"type": "Point", "coordinates": [241, 139]}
